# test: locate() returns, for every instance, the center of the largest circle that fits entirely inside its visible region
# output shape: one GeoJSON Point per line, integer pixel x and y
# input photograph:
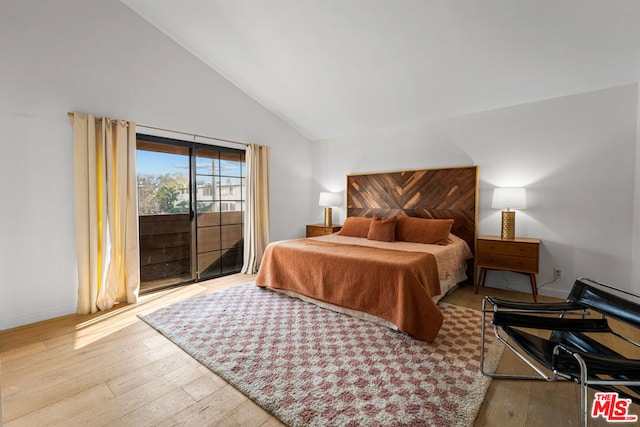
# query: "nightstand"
{"type": "Point", "coordinates": [520, 255]}
{"type": "Point", "coordinates": [314, 230]}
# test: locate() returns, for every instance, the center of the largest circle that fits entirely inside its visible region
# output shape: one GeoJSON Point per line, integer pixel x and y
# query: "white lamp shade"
{"type": "Point", "coordinates": [329, 200]}
{"type": "Point", "coordinates": [509, 198]}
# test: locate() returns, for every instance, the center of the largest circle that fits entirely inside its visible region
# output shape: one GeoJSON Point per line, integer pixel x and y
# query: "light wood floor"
{"type": "Point", "coordinates": [111, 368]}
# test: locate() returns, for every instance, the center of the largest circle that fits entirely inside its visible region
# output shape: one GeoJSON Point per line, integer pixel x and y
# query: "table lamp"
{"type": "Point", "coordinates": [328, 201]}
{"type": "Point", "coordinates": [509, 198]}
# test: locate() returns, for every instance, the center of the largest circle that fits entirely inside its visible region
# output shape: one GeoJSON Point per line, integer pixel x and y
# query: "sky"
{"type": "Point", "coordinates": [150, 162]}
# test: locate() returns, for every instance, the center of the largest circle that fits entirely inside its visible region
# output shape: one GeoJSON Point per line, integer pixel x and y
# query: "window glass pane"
{"type": "Point", "coordinates": [207, 219]}
{"type": "Point", "coordinates": [208, 239]}
{"type": "Point", "coordinates": [232, 216]}
{"type": "Point", "coordinates": [220, 195]}
{"type": "Point", "coordinates": [163, 182]}
{"type": "Point", "coordinates": [230, 164]}
{"type": "Point", "coordinates": [207, 163]}
{"type": "Point", "coordinates": [165, 229]}
{"type": "Point", "coordinates": [232, 260]}
{"type": "Point", "coordinates": [209, 264]}
{"type": "Point", "coordinates": [230, 188]}
{"type": "Point", "coordinates": [231, 236]}
{"type": "Point", "coordinates": [207, 188]}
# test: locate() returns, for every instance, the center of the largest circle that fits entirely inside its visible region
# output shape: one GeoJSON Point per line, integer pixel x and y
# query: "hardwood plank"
{"type": "Point", "coordinates": [553, 397]}
{"type": "Point", "coordinates": [272, 422]}
{"type": "Point", "coordinates": [150, 372]}
{"type": "Point", "coordinates": [49, 388]}
{"type": "Point", "coordinates": [65, 408]}
{"type": "Point", "coordinates": [113, 369]}
{"type": "Point", "coordinates": [204, 386]}
{"type": "Point", "coordinates": [15, 340]}
{"type": "Point", "coordinates": [154, 412]}
{"type": "Point", "coordinates": [132, 400]}
{"type": "Point", "coordinates": [21, 352]}
{"type": "Point", "coordinates": [507, 403]}
{"type": "Point", "coordinates": [208, 410]}
{"type": "Point", "coordinates": [67, 355]}
{"type": "Point", "coordinates": [247, 414]}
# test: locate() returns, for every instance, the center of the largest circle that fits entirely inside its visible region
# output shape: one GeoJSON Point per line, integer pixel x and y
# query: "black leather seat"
{"type": "Point", "coordinates": [572, 347]}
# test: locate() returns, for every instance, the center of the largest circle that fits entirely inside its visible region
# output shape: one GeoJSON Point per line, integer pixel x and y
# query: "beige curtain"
{"type": "Point", "coordinates": [104, 158]}
{"type": "Point", "coordinates": [256, 225]}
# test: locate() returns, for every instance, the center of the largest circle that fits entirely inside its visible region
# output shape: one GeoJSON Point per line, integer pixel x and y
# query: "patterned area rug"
{"type": "Point", "coordinates": [313, 367]}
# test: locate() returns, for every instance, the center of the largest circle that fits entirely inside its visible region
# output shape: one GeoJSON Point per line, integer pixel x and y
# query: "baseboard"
{"type": "Point", "coordinates": [26, 319]}
{"type": "Point", "coordinates": [518, 282]}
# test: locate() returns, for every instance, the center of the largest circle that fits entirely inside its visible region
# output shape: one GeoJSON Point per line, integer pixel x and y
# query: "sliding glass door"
{"type": "Point", "coordinates": [164, 214]}
{"type": "Point", "coordinates": [190, 209]}
{"type": "Point", "coordinates": [220, 192]}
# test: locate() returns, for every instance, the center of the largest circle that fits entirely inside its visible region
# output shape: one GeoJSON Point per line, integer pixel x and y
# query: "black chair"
{"type": "Point", "coordinates": [560, 342]}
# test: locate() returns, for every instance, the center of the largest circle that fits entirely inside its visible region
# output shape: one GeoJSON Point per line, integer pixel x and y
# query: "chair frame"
{"type": "Point", "coordinates": [577, 307]}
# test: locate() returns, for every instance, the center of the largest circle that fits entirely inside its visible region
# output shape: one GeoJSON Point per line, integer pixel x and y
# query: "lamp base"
{"type": "Point", "coordinates": [508, 225]}
{"type": "Point", "coordinates": [328, 217]}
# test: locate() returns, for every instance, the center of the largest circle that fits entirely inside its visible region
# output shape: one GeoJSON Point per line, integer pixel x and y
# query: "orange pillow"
{"type": "Point", "coordinates": [355, 226]}
{"type": "Point", "coordinates": [383, 229]}
{"type": "Point", "coordinates": [423, 230]}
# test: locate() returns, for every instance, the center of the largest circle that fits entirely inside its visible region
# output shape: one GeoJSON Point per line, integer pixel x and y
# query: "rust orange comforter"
{"type": "Point", "coordinates": [394, 285]}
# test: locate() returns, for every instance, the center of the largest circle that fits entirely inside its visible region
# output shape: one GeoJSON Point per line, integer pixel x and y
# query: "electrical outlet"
{"type": "Point", "coordinates": [557, 273]}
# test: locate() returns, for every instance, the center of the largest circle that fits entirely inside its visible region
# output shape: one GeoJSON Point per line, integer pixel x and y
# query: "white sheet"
{"type": "Point", "coordinates": [449, 258]}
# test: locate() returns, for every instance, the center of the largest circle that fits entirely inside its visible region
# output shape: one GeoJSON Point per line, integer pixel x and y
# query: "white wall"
{"type": "Point", "coordinates": [99, 57]}
{"type": "Point", "coordinates": [575, 155]}
{"type": "Point", "coordinates": [635, 253]}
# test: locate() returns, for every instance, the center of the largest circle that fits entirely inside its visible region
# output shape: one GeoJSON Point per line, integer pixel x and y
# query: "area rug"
{"type": "Point", "coordinates": [309, 366]}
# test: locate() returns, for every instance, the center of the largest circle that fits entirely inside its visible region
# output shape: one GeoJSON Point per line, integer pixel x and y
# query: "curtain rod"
{"type": "Point", "coordinates": [185, 133]}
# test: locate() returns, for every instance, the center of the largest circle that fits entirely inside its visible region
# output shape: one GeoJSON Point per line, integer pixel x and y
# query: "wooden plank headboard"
{"type": "Point", "coordinates": [427, 193]}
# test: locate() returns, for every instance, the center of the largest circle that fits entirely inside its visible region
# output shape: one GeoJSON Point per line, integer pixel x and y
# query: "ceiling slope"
{"type": "Point", "coordinates": [336, 67]}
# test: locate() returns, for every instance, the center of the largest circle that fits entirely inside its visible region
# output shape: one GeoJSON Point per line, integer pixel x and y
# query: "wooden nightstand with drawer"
{"type": "Point", "coordinates": [314, 230]}
{"type": "Point", "coordinates": [521, 255]}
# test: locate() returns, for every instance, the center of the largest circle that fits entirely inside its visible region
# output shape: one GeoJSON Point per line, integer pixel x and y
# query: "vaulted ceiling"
{"type": "Point", "coordinates": [336, 67]}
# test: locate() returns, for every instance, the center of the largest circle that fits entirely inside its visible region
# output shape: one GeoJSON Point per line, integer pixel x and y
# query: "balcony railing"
{"type": "Point", "coordinates": [167, 245]}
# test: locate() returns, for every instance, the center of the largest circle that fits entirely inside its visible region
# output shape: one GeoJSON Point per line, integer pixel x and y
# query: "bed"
{"type": "Point", "coordinates": [376, 268]}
